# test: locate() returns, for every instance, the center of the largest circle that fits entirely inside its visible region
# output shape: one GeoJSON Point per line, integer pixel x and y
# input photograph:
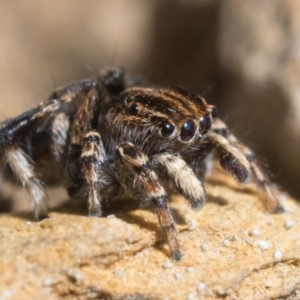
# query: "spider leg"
{"type": "Point", "coordinates": [23, 169]}
{"type": "Point", "coordinates": [241, 162]}
{"type": "Point", "coordinates": [140, 180]}
{"type": "Point", "coordinates": [59, 135]}
{"type": "Point", "coordinates": [86, 153]}
{"type": "Point", "coordinates": [183, 178]}
{"type": "Point", "coordinates": [91, 157]}
{"type": "Point", "coordinates": [13, 133]}
{"type": "Point", "coordinates": [17, 129]}
{"type": "Point", "coordinates": [231, 158]}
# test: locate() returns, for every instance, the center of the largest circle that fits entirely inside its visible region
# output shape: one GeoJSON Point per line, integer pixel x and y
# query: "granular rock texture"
{"type": "Point", "coordinates": [232, 249]}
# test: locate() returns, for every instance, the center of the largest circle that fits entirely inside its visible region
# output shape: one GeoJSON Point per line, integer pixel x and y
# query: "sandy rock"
{"type": "Point", "coordinates": [232, 249]}
{"type": "Point", "coordinates": [35, 257]}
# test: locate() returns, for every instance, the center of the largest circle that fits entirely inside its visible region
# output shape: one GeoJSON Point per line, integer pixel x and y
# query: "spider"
{"type": "Point", "coordinates": [114, 137]}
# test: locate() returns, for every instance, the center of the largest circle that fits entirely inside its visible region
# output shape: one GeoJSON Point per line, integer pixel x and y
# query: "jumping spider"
{"type": "Point", "coordinates": [112, 137]}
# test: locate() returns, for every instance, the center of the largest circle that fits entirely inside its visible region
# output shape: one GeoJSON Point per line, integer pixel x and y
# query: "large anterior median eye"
{"type": "Point", "coordinates": [167, 129]}
{"type": "Point", "coordinates": [205, 124]}
{"type": "Point", "coordinates": [187, 130]}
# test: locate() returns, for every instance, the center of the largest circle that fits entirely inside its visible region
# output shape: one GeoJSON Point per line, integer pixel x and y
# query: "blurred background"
{"type": "Point", "coordinates": [243, 56]}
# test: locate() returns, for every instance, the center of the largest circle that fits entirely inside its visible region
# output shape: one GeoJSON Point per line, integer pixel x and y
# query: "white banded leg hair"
{"type": "Point", "coordinates": [91, 158]}
{"type": "Point", "coordinates": [84, 153]}
{"type": "Point", "coordinates": [22, 168]}
{"type": "Point", "coordinates": [241, 162]}
{"type": "Point", "coordinates": [60, 128]}
{"type": "Point", "coordinates": [134, 173]}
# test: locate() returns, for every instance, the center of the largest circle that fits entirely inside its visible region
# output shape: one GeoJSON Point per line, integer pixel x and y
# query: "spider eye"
{"type": "Point", "coordinates": [187, 130]}
{"type": "Point", "coordinates": [134, 109]}
{"type": "Point", "coordinates": [167, 129]}
{"type": "Point", "coordinates": [205, 123]}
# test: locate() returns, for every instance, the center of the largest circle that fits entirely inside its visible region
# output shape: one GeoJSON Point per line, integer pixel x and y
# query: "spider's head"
{"type": "Point", "coordinates": [158, 119]}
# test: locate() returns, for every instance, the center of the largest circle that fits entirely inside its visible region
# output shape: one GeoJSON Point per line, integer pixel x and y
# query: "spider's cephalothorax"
{"type": "Point", "coordinates": [112, 137]}
{"type": "Point", "coordinates": [157, 120]}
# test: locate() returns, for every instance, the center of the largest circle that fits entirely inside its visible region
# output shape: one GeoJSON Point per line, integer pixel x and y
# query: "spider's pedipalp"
{"type": "Point", "coordinates": [132, 167]}
{"type": "Point", "coordinates": [23, 170]}
{"type": "Point", "coordinates": [183, 178]}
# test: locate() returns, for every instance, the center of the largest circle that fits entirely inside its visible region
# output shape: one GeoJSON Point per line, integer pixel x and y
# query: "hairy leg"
{"type": "Point", "coordinates": [139, 179]}
{"type": "Point", "coordinates": [85, 153]}
{"type": "Point", "coordinates": [241, 162]}
{"type": "Point", "coordinates": [59, 135]}
{"type": "Point", "coordinates": [91, 157]}
{"type": "Point", "coordinates": [23, 170]}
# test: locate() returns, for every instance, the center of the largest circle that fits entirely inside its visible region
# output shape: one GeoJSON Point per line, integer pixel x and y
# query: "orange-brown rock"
{"type": "Point", "coordinates": [232, 249]}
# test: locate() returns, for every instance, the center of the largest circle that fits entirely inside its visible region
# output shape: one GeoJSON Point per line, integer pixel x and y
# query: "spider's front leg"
{"type": "Point", "coordinates": [238, 159]}
{"type": "Point", "coordinates": [141, 182]}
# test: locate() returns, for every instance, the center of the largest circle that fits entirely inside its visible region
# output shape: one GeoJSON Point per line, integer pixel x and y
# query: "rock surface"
{"type": "Point", "coordinates": [232, 249]}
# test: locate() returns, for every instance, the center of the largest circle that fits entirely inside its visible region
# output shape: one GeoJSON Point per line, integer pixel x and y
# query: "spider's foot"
{"type": "Point", "coordinates": [40, 216]}
{"type": "Point", "coordinates": [176, 255]}
{"type": "Point", "coordinates": [171, 235]}
{"type": "Point", "coordinates": [198, 205]}
{"type": "Point", "coordinates": [95, 212]}
{"type": "Point", "coordinates": [273, 195]}
{"type": "Point", "coordinates": [279, 210]}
